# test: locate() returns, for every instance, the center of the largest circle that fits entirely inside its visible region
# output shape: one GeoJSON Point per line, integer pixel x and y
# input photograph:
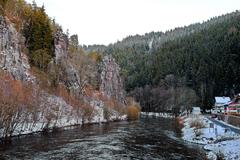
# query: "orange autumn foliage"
{"type": "Point", "coordinates": [13, 91]}
{"type": "Point", "coordinates": [133, 109]}
{"type": "Point", "coordinates": [15, 98]}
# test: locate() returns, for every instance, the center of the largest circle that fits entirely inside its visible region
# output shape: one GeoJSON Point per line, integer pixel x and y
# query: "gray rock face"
{"type": "Point", "coordinates": [111, 82]}
{"type": "Point", "coordinates": [11, 57]}
{"type": "Point", "coordinates": [61, 46]}
{"type": "Point", "coordinates": [72, 79]}
{"type": "Point", "coordinates": [69, 74]}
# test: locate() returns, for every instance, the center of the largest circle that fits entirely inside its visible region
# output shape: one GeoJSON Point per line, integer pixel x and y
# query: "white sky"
{"type": "Point", "coordinates": [106, 21]}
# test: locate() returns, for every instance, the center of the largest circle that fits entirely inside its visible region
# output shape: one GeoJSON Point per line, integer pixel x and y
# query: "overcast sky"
{"type": "Point", "coordinates": [106, 21]}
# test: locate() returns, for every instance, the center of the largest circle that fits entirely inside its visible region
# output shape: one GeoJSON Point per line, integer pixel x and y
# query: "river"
{"type": "Point", "coordinates": [146, 139]}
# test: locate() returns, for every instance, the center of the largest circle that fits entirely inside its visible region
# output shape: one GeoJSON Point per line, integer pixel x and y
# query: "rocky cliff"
{"type": "Point", "coordinates": [47, 109]}
{"type": "Point", "coordinates": [109, 72]}
{"type": "Point", "coordinates": [13, 60]}
{"type": "Point", "coordinates": [61, 46]}
{"type": "Point", "coordinates": [110, 82]}
{"type": "Point", "coordinates": [11, 57]}
{"type": "Point", "coordinates": [69, 75]}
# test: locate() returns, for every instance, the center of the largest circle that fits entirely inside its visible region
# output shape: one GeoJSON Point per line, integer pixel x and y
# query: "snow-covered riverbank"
{"type": "Point", "coordinates": [155, 114]}
{"type": "Point", "coordinates": [63, 123]}
{"type": "Point", "coordinates": [217, 140]}
{"type": "Point", "coordinates": [65, 118]}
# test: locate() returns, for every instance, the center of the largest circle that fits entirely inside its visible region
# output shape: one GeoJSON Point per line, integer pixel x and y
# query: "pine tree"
{"type": "Point", "coordinates": [39, 37]}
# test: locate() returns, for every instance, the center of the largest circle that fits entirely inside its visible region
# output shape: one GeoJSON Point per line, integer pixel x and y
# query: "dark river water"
{"type": "Point", "coordinates": [146, 139]}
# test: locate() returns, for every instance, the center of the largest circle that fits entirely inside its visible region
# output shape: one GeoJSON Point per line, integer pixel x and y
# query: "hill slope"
{"type": "Point", "coordinates": [204, 57]}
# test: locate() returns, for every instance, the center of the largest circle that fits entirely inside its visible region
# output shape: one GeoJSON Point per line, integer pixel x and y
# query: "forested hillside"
{"type": "Point", "coordinates": [181, 67]}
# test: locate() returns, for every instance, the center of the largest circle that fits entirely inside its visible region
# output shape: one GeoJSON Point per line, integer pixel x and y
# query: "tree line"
{"type": "Point", "coordinates": [203, 56]}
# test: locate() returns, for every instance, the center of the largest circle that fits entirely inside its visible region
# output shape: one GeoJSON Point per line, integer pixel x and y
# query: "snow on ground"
{"type": "Point", "coordinates": [217, 140]}
{"type": "Point", "coordinates": [163, 115]}
{"type": "Point", "coordinates": [206, 134]}
{"type": "Point", "coordinates": [229, 150]}
{"type": "Point", "coordinates": [66, 117]}
{"type": "Point", "coordinates": [65, 121]}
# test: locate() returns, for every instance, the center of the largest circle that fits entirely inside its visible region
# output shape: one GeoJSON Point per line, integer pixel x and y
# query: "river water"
{"type": "Point", "coordinates": [146, 139]}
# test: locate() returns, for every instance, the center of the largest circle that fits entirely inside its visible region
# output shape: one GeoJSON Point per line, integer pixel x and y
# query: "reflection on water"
{"type": "Point", "coordinates": [148, 138]}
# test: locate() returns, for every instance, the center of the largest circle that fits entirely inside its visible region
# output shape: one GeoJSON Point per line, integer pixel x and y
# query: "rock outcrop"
{"type": "Point", "coordinates": [110, 80]}
{"type": "Point", "coordinates": [11, 57]}
{"type": "Point", "coordinates": [61, 46]}
{"type": "Point", "coordinates": [69, 75]}
{"type": "Point", "coordinates": [71, 78]}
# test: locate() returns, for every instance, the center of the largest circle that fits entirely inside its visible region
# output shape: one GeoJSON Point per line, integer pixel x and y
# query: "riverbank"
{"type": "Point", "coordinates": [154, 114]}
{"type": "Point", "coordinates": [63, 122]}
{"type": "Point", "coordinates": [218, 141]}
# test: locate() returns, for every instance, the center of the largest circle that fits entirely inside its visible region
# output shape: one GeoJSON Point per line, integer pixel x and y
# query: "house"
{"type": "Point", "coordinates": [234, 105]}
{"type": "Point", "coordinates": [196, 110]}
{"type": "Point", "coordinates": [221, 104]}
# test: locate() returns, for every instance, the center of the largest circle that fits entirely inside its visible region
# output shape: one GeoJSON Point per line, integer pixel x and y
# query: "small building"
{"type": "Point", "coordinates": [234, 105]}
{"type": "Point", "coordinates": [221, 104]}
{"type": "Point", "coordinates": [196, 110]}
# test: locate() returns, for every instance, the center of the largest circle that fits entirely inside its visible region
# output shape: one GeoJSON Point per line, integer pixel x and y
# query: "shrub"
{"type": "Point", "coordinates": [133, 111]}
{"type": "Point", "coordinates": [2, 6]}
{"type": "Point", "coordinates": [112, 107]}
{"type": "Point", "coordinates": [198, 132]}
{"type": "Point", "coordinates": [197, 123]}
{"type": "Point", "coordinates": [88, 113]}
{"type": "Point", "coordinates": [41, 58]}
{"type": "Point", "coordinates": [43, 80]}
{"type": "Point", "coordinates": [16, 99]}
{"type": "Point", "coordinates": [220, 155]}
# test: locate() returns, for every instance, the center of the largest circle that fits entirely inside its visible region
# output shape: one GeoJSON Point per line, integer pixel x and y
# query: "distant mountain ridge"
{"type": "Point", "coordinates": [150, 42]}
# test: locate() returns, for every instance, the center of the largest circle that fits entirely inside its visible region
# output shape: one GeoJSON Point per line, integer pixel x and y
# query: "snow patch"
{"type": "Point", "coordinates": [154, 114]}
{"type": "Point", "coordinates": [218, 140]}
